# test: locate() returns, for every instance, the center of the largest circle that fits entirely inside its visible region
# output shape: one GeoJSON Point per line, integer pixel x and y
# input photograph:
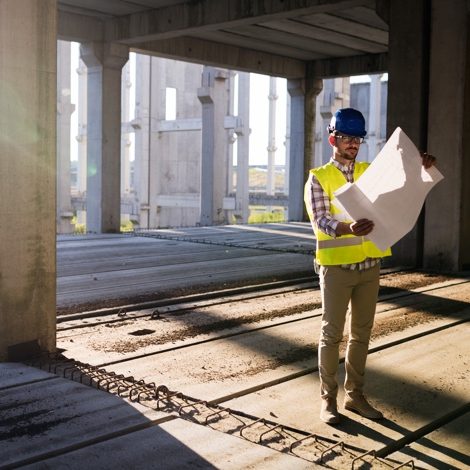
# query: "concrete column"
{"type": "Point", "coordinates": [447, 210]}
{"type": "Point", "coordinates": [82, 127]}
{"type": "Point", "coordinates": [303, 95]}
{"type": "Point", "coordinates": [65, 108]}
{"type": "Point", "coordinates": [159, 148]}
{"type": "Point", "coordinates": [142, 137]}
{"type": "Point", "coordinates": [296, 91]}
{"type": "Point", "coordinates": [232, 137]}
{"type": "Point", "coordinates": [28, 73]}
{"type": "Point", "coordinates": [313, 87]}
{"type": "Point", "coordinates": [327, 108]}
{"type": "Point", "coordinates": [212, 96]}
{"type": "Point", "coordinates": [272, 97]}
{"type": "Point", "coordinates": [408, 68]}
{"type": "Point", "coordinates": [287, 144]}
{"type": "Point", "coordinates": [242, 209]}
{"type": "Point", "coordinates": [125, 138]}
{"type": "Point", "coordinates": [373, 126]}
{"type": "Point", "coordinates": [104, 62]}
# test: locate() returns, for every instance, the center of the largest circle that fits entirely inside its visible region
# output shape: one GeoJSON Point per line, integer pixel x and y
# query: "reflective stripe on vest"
{"type": "Point", "coordinates": [346, 249]}
{"type": "Point", "coordinates": [339, 242]}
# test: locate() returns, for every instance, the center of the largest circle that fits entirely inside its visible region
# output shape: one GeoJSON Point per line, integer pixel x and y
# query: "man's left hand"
{"type": "Point", "coordinates": [428, 160]}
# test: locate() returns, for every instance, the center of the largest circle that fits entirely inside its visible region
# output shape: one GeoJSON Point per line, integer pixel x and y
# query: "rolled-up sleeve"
{"type": "Point", "coordinates": [320, 208]}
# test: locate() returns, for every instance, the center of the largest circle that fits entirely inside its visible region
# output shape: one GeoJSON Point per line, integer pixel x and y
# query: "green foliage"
{"type": "Point", "coordinates": [80, 229]}
{"type": "Point", "coordinates": [127, 226]}
{"type": "Point", "coordinates": [258, 215]}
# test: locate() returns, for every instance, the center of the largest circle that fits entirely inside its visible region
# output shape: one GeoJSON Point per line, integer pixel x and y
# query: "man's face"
{"type": "Point", "coordinates": [347, 146]}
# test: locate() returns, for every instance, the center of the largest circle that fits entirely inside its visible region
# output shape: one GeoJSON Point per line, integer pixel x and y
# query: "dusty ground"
{"type": "Point", "coordinates": [164, 329]}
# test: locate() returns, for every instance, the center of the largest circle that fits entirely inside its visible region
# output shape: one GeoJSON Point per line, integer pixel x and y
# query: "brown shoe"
{"type": "Point", "coordinates": [329, 411]}
{"type": "Point", "coordinates": [360, 405]}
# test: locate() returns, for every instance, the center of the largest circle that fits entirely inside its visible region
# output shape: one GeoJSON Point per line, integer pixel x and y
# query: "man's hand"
{"type": "Point", "coordinates": [359, 228]}
{"type": "Point", "coordinates": [428, 160]}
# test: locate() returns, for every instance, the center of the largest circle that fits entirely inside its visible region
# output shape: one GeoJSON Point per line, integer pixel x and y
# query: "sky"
{"type": "Point", "coordinates": [259, 112]}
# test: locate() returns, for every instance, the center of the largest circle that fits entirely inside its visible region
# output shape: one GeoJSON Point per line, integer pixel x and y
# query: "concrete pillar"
{"type": "Point", "coordinates": [373, 126]}
{"type": "Point", "coordinates": [303, 95]}
{"type": "Point", "coordinates": [232, 137]}
{"type": "Point", "coordinates": [65, 108]}
{"type": "Point", "coordinates": [158, 142]}
{"type": "Point", "coordinates": [272, 97]}
{"type": "Point", "coordinates": [408, 69]}
{"type": "Point", "coordinates": [447, 210]}
{"type": "Point", "coordinates": [104, 62]}
{"type": "Point", "coordinates": [142, 137]}
{"type": "Point", "coordinates": [28, 73]}
{"type": "Point", "coordinates": [125, 137]}
{"type": "Point", "coordinates": [242, 209]}
{"type": "Point", "coordinates": [212, 96]}
{"type": "Point", "coordinates": [287, 144]}
{"type": "Point", "coordinates": [327, 108]}
{"type": "Point", "coordinates": [296, 91]}
{"type": "Point", "coordinates": [82, 128]}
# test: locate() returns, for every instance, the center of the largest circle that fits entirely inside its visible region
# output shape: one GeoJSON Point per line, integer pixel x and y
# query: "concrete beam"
{"type": "Point", "coordinates": [191, 17]}
{"type": "Point", "coordinates": [28, 74]}
{"type": "Point", "coordinates": [79, 28]}
{"type": "Point", "coordinates": [184, 124]}
{"type": "Point", "coordinates": [346, 66]}
{"type": "Point", "coordinates": [222, 55]}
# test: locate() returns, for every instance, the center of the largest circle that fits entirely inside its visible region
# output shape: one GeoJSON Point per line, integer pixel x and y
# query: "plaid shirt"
{"type": "Point", "coordinates": [320, 204]}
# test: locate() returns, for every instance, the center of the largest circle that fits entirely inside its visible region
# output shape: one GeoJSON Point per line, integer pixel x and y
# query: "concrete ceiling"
{"type": "Point", "coordinates": [277, 37]}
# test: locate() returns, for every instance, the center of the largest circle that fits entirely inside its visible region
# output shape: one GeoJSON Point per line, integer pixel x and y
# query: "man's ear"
{"type": "Point", "coordinates": [332, 140]}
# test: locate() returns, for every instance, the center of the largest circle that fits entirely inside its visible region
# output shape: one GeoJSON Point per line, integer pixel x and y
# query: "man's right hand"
{"type": "Point", "coordinates": [359, 228]}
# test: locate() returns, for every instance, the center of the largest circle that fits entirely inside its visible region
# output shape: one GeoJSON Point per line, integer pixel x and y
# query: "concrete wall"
{"type": "Point", "coordinates": [27, 176]}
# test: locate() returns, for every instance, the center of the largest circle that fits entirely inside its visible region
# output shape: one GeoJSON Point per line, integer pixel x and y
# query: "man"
{"type": "Point", "coordinates": [348, 265]}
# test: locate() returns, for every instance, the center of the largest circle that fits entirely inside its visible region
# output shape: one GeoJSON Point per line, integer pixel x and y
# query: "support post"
{"type": "Point", "coordinates": [408, 97]}
{"type": "Point", "coordinates": [65, 108]}
{"type": "Point", "coordinates": [242, 209]}
{"type": "Point", "coordinates": [272, 97]}
{"type": "Point", "coordinates": [104, 62]}
{"type": "Point", "coordinates": [213, 96]}
{"type": "Point", "coordinates": [296, 91]}
{"type": "Point", "coordinates": [28, 74]}
{"type": "Point", "coordinates": [303, 95]}
{"type": "Point", "coordinates": [447, 211]}
{"type": "Point", "coordinates": [142, 137]}
{"type": "Point", "coordinates": [373, 127]}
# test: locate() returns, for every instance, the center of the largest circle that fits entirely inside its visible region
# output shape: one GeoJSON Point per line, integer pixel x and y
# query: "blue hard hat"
{"type": "Point", "coordinates": [348, 121]}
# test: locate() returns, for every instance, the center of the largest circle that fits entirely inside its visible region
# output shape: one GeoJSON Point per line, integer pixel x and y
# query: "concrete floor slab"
{"type": "Point", "coordinates": [175, 445]}
{"type": "Point", "coordinates": [13, 375]}
{"type": "Point", "coordinates": [58, 423]}
{"type": "Point", "coordinates": [448, 447]}
{"type": "Point", "coordinates": [411, 392]}
{"type": "Point", "coordinates": [91, 268]}
{"type": "Point", "coordinates": [49, 415]}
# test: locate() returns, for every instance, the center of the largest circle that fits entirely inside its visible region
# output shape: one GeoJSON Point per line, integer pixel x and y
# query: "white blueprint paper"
{"type": "Point", "coordinates": [391, 192]}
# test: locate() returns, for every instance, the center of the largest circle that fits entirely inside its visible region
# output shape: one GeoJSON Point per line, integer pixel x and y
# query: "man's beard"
{"type": "Point", "coordinates": [349, 154]}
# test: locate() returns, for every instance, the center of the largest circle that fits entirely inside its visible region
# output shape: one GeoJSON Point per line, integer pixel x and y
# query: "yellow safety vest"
{"type": "Point", "coordinates": [345, 249]}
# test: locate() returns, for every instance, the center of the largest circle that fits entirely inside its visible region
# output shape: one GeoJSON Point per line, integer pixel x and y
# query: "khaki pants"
{"type": "Point", "coordinates": [339, 287]}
